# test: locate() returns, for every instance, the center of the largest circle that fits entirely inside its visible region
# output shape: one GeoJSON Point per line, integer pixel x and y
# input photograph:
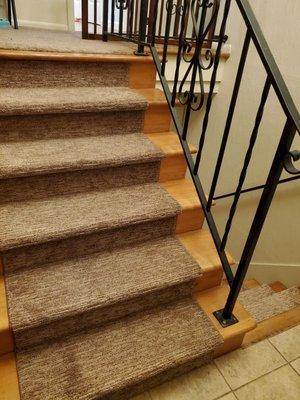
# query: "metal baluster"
{"type": "Point", "coordinates": [170, 5]}
{"type": "Point", "coordinates": [14, 13]}
{"type": "Point", "coordinates": [131, 13]}
{"type": "Point", "coordinates": [136, 17]}
{"type": "Point", "coordinates": [229, 118]}
{"type": "Point", "coordinates": [195, 65]}
{"type": "Point", "coordinates": [152, 33]}
{"type": "Point", "coordinates": [121, 18]}
{"type": "Point", "coordinates": [95, 17]}
{"type": "Point", "coordinates": [112, 28]}
{"type": "Point", "coordinates": [284, 145]}
{"type": "Point", "coordinates": [162, 9]}
{"type": "Point", "coordinates": [143, 28]}
{"type": "Point", "coordinates": [180, 45]}
{"type": "Point", "coordinates": [105, 21]}
{"type": "Point", "coordinates": [84, 19]}
{"type": "Point", "coordinates": [253, 137]}
{"type": "Point", "coordinates": [212, 85]}
{"type": "Point", "coordinates": [177, 19]}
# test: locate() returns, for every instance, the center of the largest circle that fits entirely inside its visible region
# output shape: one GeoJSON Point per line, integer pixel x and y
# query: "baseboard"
{"type": "Point", "coordinates": [43, 25]}
{"type": "Point", "coordinates": [288, 274]}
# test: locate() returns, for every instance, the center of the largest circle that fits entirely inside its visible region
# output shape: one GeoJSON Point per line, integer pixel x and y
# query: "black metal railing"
{"type": "Point", "coordinates": [193, 25]}
{"type": "Point", "coordinates": [12, 14]}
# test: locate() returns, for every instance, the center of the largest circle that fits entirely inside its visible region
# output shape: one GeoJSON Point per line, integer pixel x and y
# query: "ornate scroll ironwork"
{"type": "Point", "coordinates": [191, 50]}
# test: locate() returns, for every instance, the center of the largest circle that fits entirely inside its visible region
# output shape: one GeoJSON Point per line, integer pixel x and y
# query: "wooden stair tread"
{"type": "Point", "coordinates": [80, 57]}
{"type": "Point", "coordinates": [277, 286]}
{"type": "Point", "coordinates": [200, 245]}
{"type": "Point", "coordinates": [169, 143]}
{"type": "Point", "coordinates": [214, 299]}
{"type": "Point", "coordinates": [6, 340]}
{"type": "Point", "coordinates": [184, 192]}
{"type": "Point", "coordinates": [154, 96]}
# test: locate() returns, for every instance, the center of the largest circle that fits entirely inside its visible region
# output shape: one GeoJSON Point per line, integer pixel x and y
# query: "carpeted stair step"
{"type": "Point", "coordinates": [263, 303]}
{"type": "Point", "coordinates": [44, 168]}
{"type": "Point", "coordinates": [28, 73]}
{"type": "Point", "coordinates": [108, 213]}
{"type": "Point", "coordinates": [96, 289]}
{"type": "Point", "coordinates": [43, 113]}
{"type": "Point", "coordinates": [120, 359]}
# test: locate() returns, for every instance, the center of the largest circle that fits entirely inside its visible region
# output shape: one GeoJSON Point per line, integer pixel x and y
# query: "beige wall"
{"type": "Point", "coordinates": [277, 254]}
{"type": "Point", "coordinates": [48, 14]}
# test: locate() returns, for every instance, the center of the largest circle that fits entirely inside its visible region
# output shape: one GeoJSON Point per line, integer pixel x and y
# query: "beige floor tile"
{"type": "Point", "coordinates": [282, 384]}
{"type": "Point", "coordinates": [296, 365]}
{"type": "Point", "coordinates": [288, 343]}
{"type": "Point", "coordinates": [144, 396]}
{"type": "Point", "coordinates": [229, 396]}
{"type": "Point", "coordinates": [203, 383]}
{"type": "Point", "coordinates": [244, 365]}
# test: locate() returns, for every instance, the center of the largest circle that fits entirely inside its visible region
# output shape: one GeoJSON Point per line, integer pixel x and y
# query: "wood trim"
{"type": "Point", "coordinates": [191, 217]}
{"type": "Point", "coordinates": [173, 166]}
{"type": "Point", "coordinates": [80, 57]}
{"type": "Point", "coordinates": [9, 382]}
{"type": "Point", "coordinates": [214, 299]}
{"type": "Point", "coordinates": [142, 76]}
{"type": "Point", "coordinates": [6, 338]}
{"type": "Point", "coordinates": [200, 245]}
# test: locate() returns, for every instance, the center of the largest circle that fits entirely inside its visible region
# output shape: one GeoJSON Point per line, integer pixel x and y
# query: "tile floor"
{"type": "Point", "coordinates": [268, 370]}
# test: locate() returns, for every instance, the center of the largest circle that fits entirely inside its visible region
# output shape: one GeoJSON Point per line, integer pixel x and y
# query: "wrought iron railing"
{"type": "Point", "coordinates": [192, 25]}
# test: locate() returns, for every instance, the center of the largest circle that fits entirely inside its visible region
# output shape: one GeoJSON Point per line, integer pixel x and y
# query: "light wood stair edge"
{"type": "Point", "coordinates": [6, 54]}
{"type": "Point", "coordinates": [214, 299]}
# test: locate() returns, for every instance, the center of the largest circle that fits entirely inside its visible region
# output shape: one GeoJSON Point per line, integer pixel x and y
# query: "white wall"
{"type": "Point", "coordinates": [48, 14]}
{"type": "Point", "coordinates": [277, 255]}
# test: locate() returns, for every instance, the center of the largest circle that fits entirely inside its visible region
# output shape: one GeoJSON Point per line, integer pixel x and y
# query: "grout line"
{"type": "Point", "coordinates": [225, 394]}
{"type": "Point", "coordinates": [277, 350]}
{"type": "Point", "coordinates": [267, 373]}
{"type": "Point", "coordinates": [222, 375]}
{"type": "Point", "coordinates": [290, 363]}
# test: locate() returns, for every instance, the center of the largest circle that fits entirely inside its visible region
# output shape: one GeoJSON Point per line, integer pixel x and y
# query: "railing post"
{"type": "Point", "coordinates": [84, 19]}
{"type": "Point", "coordinates": [105, 21]}
{"type": "Point", "coordinates": [225, 316]}
{"type": "Point", "coordinates": [142, 29]}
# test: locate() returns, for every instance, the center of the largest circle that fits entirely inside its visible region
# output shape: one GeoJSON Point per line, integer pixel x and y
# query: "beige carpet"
{"type": "Point", "coordinates": [57, 41]}
{"type": "Point", "coordinates": [263, 303]}
{"type": "Point", "coordinates": [18, 73]}
{"type": "Point", "coordinates": [98, 287]}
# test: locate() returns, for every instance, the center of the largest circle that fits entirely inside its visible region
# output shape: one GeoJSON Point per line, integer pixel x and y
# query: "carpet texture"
{"type": "Point", "coordinates": [263, 303]}
{"type": "Point", "coordinates": [120, 359]}
{"type": "Point", "coordinates": [17, 73]}
{"type": "Point", "coordinates": [69, 100]}
{"type": "Point", "coordinates": [98, 287]}
{"type": "Point", "coordinates": [57, 41]}
{"type": "Point", "coordinates": [119, 282]}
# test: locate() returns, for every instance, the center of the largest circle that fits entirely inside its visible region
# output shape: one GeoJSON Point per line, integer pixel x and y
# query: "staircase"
{"type": "Point", "coordinates": [101, 233]}
{"type": "Point", "coordinates": [109, 280]}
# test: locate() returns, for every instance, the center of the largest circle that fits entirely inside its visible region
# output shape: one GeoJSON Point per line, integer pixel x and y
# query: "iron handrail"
{"type": "Point", "coordinates": [141, 27]}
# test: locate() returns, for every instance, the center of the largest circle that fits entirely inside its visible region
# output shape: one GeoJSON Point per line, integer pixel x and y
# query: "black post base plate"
{"type": "Point", "coordinates": [225, 322]}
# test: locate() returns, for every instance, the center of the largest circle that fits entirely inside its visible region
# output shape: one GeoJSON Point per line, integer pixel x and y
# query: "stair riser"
{"type": "Point", "coordinates": [45, 126]}
{"type": "Point", "coordinates": [43, 253]}
{"type": "Point", "coordinates": [100, 316]}
{"type": "Point", "coordinates": [47, 185]}
{"type": "Point", "coordinates": [18, 74]}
